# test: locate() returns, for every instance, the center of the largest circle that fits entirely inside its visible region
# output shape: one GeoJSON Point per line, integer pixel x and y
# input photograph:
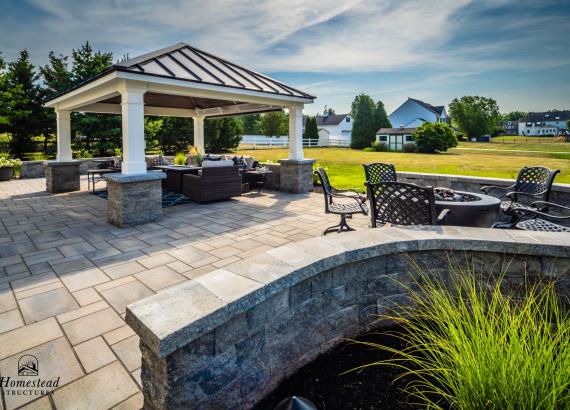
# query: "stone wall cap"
{"type": "Point", "coordinates": [172, 318]}
{"type": "Point", "coordinates": [473, 179]}
{"type": "Point", "coordinates": [297, 161]}
{"type": "Point", "coordinates": [54, 163]}
{"type": "Point", "coordinates": [125, 179]}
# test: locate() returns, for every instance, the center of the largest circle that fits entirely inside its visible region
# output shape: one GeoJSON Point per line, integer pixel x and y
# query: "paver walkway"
{"type": "Point", "coordinates": [66, 276]}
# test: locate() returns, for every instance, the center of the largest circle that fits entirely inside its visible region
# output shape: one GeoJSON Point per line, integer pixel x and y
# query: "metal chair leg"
{"type": "Point", "coordinates": [342, 226]}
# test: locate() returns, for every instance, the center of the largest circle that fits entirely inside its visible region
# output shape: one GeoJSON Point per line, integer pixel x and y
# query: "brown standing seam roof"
{"type": "Point", "coordinates": [186, 63]}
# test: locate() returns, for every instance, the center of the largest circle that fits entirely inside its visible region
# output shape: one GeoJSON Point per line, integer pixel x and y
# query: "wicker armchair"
{"type": "Point", "coordinates": [343, 202]}
{"type": "Point", "coordinates": [213, 184]}
{"type": "Point", "coordinates": [532, 182]}
{"type": "Point", "coordinates": [378, 172]}
{"type": "Point", "coordinates": [528, 219]}
{"type": "Point", "coordinates": [400, 203]}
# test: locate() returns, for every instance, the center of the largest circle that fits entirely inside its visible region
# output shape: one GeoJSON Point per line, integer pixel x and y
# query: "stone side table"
{"type": "Point", "coordinates": [296, 175]}
{"type": "Point", "coordinates": [134, 199]}
{"type": "Point", "coordinates": [62, 176]}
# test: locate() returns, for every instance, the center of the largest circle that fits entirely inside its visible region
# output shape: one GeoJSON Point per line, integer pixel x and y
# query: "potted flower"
{"type": "Point", "coordinates": [7, 166]}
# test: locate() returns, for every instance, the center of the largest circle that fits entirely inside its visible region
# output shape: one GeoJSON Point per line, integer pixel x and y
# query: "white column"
{"type": "Point", "coordinates": [63, 119]}
{"type": "Point", "coordinates": [296, 132]}
{"type": "Point", "coordinates": [132, 108]}
{"type": "Point", "coordinates": [199, 134]}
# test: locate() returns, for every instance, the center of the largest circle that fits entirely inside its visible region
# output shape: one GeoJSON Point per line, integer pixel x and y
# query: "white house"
{"type": "Point", "coordinates": [413, 113]}
{"type": "Point", "coordinates": [334, 129]}
{"type": "Point", "coordinates": [544, 123]}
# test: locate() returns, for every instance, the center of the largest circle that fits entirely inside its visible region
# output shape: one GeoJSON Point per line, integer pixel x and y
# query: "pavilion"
{"type": "Point", "coordinates": [178, 81]}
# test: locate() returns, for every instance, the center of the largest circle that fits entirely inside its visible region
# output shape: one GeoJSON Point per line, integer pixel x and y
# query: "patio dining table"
{"type": "Point", "coordinates": [174, 174]}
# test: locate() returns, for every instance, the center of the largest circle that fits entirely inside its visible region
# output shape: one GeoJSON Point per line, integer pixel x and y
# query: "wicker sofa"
{"type": "Point", "coordinates": [213, 184]}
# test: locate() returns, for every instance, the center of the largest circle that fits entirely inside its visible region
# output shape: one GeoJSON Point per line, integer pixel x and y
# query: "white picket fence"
{"type": "Point", "coordinates": [262, 142]}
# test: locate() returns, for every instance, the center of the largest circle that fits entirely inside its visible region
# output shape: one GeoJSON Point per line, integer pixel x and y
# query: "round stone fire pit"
{"type": "Point", "coordinates": [467, 208]}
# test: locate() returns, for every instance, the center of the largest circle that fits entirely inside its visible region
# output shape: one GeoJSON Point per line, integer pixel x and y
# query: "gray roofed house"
{"type": "Point", "coordinates": [413, 113]}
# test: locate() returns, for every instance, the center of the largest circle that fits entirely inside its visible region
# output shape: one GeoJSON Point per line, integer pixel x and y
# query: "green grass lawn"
{"type": "Point", "coordinates": [533, 144]}
{"type": "Point", "coordinates": [345, 165]}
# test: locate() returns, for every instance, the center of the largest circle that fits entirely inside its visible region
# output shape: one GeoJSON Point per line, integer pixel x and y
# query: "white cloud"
{"type": "Point", "coordinates": [335, 36]}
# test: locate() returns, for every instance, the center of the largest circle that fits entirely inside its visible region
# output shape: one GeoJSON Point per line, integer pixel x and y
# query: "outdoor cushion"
{"type": "Point", "coordinates": [117, 162]}
{"type": "Point", "coordinates": [220, 163]}
{"type": "Point", "coordinates": [249, 162]}
{"type": "Point", "coordinates": [209, 157]}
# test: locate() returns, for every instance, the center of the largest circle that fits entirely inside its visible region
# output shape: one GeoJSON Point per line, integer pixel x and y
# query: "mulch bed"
{"type": "Point", "coordinates": [321, 381]}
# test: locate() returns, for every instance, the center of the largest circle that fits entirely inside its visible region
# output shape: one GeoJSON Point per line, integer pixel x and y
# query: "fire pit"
{"type": "Point", "coordinates": [467, 208]}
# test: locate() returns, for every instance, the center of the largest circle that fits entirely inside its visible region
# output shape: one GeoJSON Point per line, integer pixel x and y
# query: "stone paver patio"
{"type": "Point", "coordinates": [66, 276]}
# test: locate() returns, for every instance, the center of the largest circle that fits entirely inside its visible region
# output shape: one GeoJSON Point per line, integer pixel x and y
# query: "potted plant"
{"type": "Point", "coordinates": [7, 166]}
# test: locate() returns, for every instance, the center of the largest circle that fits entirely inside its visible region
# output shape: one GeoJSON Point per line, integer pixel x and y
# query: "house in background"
{"type": "Point", "coordinates": [511, 127]}
{"type": "Point", "coordinates": [544, 123]}
{"type": "Point", "coordinates": [405, 119]}
{"type": "Point", "coordinates": [413, 113]}
{"type": "Point", "coordinates": [334, 129]}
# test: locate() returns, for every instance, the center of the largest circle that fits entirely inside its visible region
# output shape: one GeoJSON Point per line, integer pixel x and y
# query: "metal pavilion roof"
{"type": "Point", "coordinates": [184, 62]}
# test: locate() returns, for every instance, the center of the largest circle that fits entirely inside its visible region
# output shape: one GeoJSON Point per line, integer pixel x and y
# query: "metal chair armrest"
{"type": "Point", "coordinates": [489, 188]}
{"type": "Point", "coordinates": [545, 204]}
{"type": "Point", "coordinates": [511, 194]}
{"type": "Point", "coordinates": [533, 213]}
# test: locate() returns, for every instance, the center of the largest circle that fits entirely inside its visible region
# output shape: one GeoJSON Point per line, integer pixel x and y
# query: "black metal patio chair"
{"type": "Point", "coordinates": [401, 203]}
{"type": "Point", "coordinates": [378, 172]}
{"type": "Point", "coordinates": [533, 218]}
{"type": "Point", "coordinates": [343, 202]}
{"type": "Point", "coordinates": [533, 183]}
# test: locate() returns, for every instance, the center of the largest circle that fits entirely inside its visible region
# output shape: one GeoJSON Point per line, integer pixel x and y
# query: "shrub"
{"type": "Point", "coordinates": [438, 137]}
{"type": "Point", "coordinates": [409, 147]}
{"type": "Point", "coordinates": [368, 149]}
{"type": "Point", "coordinates": [83, 154]}
{"type": "Point", "coordinates": [476, 345]}
{"type": "Point", "coordinates": [180, 159]}
{"type": "Point", "coordinates": [379, 146]}
{"type": "Point", "coordinates": [9, 162]}
{"type": "Point", "coordinates": [316, 180]}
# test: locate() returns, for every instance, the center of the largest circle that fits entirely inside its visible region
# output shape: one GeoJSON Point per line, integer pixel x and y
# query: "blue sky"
{"type": "Point", "coordinates": [516, 51]}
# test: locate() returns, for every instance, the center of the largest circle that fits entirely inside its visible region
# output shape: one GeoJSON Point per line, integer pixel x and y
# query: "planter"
{"type": "Point", "coordinates": [6, 174]}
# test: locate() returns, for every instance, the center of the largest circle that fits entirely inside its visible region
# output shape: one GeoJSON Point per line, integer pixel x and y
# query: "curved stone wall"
{"type": "Point", "coordinates": [226, 339]}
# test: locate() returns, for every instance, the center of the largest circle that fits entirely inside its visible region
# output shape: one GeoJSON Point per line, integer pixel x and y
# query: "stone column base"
{"type": "Point", "coordinates": [62, 176]}
{"type": "Point", "coordinates": [134, 199]}
{"type": "Point", "coordinates": [296, 175]}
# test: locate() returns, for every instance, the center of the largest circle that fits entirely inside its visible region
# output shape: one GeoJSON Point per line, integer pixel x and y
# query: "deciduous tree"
{"type": "Point", "coordinates": [434, 137]}
{"type": "Point", "coordinates": [273, 124]}
{"type": "Point", "coordinates": [474, 115]}
{"type": "Point", "coordinates": [222, 134]}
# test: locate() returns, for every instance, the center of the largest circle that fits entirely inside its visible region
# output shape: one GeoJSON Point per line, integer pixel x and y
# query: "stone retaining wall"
{"type": "Point", "coordinates": [36, 169]}
{"type": "Point", "coordinates": [226, 339]}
